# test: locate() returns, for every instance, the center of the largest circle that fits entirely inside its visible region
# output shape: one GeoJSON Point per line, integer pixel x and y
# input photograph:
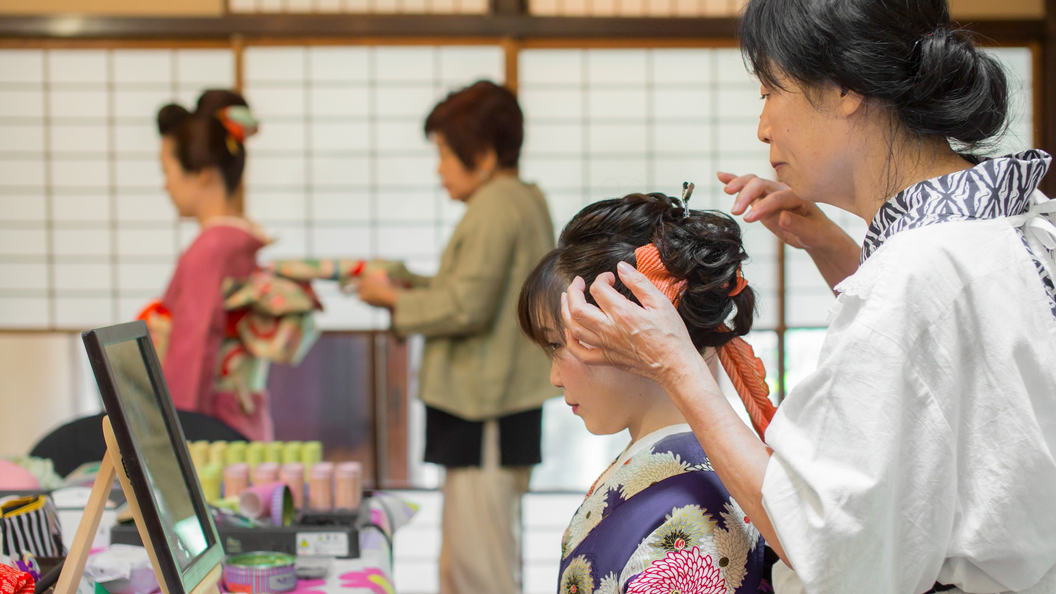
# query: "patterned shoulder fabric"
{"type": "Point", "coordinates": [995, 188]}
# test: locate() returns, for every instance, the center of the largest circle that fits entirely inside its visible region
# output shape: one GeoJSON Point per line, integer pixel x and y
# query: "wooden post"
{"type": "Point", "coordinates": [1047, 117]}
{"type": "Point", "coordinates": [511, 49]}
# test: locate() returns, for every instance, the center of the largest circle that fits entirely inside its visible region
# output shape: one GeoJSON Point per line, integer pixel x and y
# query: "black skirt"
{"type": "Point", "coordinates": [455, 442]}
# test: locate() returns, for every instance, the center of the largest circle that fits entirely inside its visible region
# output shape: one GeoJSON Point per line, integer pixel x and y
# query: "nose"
{"type": "Point", "coordinates": [555, 375]}
{"type": "Point", "coordinates": [764, 127]}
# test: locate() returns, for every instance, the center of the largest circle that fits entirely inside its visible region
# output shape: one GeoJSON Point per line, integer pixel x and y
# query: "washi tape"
{"type": "Point", "coordinates": [272, 499]}
{"type": "Point", "coordinates": [260, 572]}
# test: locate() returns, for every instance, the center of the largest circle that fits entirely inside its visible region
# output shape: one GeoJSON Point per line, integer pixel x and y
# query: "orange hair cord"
{"type": "Point", "coordinates": [650, 264]}
{"type": "Point", "coordinates": [745, 370]}
{"type": "Point", "coordinates": [748, 375]}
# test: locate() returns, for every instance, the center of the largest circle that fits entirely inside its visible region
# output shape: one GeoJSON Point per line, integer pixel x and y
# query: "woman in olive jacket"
{"type": "Point", "coordinates": [482, 381]}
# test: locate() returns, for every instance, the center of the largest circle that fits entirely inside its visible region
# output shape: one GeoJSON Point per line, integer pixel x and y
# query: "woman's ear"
{"type": "Point", "coordinates": [207, 177]}
{"type": "Point", "coordinates": [487, 164]}
{"type": "Point", "coordinates": [848, 102]}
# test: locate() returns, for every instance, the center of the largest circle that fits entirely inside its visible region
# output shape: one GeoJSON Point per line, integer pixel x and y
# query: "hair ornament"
{"type": "Point", "coordinates": [740, 286]}
{"type": "Point", "coordinates": [744, 369]}
{"type": "Point", "coordinates": [683, 202]}
{"type": "Point", "coordinates": [240, 124]}
{"type": "Point", "coordinates": [649, 264]}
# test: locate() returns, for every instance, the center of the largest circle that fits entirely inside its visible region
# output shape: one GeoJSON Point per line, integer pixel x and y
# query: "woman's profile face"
{"type": "Point", "coordinates": [459, 181]}
{"type": "Point", "coordinates": [606, 398]}
{"type": "Point", "coordinates": [181, 186]}
{"type": "Point", "coordinates": [809, 140]}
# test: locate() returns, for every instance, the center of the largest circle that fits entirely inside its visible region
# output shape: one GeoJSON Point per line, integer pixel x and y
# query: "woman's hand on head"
{"type": "Point", "coordinates": [649, 340]}
{"type": "Point", "coordinates": [797, 222]}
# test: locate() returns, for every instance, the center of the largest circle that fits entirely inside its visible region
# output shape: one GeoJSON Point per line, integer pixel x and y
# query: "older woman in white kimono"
{"type": "Point", "coordinates": [919, 456]}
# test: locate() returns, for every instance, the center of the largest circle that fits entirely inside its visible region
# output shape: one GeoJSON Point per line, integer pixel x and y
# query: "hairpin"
{"type": "Point", "coordinates": [240, 124]}
{"type": "Point", "coordinates": [683, 202]}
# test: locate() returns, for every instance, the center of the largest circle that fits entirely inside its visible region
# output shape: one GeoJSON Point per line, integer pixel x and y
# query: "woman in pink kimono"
{"type": "Point", "coordinates": [206, 367]}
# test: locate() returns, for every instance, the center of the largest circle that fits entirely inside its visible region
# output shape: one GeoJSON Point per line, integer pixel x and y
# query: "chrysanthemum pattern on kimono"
{"type": "Point", "coordinates": [661, 522]}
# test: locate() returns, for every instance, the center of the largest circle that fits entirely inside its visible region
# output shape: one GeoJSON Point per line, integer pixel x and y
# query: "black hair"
{"type": "Point", "coordinates": [201, 141]}
{"type": "Point", "coordinates": [901, 54]}
{"type": "Point", "coordinates": [479, 117]}
{"type": "Point", "coordinates": [704, 248]}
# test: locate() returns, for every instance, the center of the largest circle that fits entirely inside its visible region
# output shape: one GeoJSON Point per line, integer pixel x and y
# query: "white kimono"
{"type": "Point", "coordinates": [921, 451]}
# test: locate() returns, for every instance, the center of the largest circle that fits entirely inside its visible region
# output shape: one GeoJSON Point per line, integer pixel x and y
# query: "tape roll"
{"type": "Point", "coordinates": [260, 572]}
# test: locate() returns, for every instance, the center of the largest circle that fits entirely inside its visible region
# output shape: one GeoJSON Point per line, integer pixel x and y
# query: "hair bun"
{"type": "Point", "coordinates": [170, 116]}
{"type": "Point", "coordinates": [960, 92]}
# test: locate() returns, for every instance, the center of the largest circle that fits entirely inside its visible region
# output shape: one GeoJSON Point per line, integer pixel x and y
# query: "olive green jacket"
{"type": "Point", "coordinates": [477, 364]}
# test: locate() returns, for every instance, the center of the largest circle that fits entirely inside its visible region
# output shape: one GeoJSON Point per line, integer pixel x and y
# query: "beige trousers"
{"type": "Point", "coordinates": [481, 525]}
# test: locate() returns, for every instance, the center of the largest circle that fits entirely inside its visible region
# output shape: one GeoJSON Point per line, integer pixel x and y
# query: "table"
{"type": "Point", "coordinates": [372, 571]}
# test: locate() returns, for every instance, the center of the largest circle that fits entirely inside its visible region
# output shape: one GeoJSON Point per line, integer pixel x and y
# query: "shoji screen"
{"type": "Point", "coordinates": [87, 234]}
{"type": "Point", "coordinates": [602, 123]}
{"type": "Point", "coordinates": [342, 167]}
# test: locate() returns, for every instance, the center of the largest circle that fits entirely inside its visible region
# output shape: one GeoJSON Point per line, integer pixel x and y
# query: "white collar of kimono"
{"type": "Point", "coordinates": [239, 223]}
{"type": "Point", "coordinates": [650, 440]}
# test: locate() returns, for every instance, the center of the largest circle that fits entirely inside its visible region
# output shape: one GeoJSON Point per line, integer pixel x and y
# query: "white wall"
{"type": "Point", "coordinates": [45, 381]}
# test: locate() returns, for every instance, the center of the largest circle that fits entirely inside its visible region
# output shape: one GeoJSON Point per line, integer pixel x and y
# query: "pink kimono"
{"type": "Point", "coordinates": [205, 369]}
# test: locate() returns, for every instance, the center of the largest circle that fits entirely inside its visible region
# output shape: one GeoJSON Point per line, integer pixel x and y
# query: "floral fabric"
{"type": "Point", "coordinates": [661, 523]}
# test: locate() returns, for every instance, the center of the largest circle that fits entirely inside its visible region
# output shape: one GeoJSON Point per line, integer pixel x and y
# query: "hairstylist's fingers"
{"type": "Point", "coordinates": [648, 295]}
{"type": "Point", "coordinates": [754, 190]}
{"type": "Point", "coordinates": [733, 183]}
{"type": "Point", "coordinates": [575, 329]}
{"type": "Point", "coordinates": [775, 203]}
{"type": "Point", "coordinates": [587, 355]}
{"type": "Point", "coordinates": [807, 230]}
{"type": "Point", "coordinates": [726, 177]}
{"type": "Point", "coordinates": [619, 309]}
{"type": "Point", "coordinates": [584, 320]}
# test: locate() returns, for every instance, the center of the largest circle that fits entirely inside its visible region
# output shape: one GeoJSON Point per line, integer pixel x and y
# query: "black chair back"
{"type": "Point", "coordinates": [81, 441]}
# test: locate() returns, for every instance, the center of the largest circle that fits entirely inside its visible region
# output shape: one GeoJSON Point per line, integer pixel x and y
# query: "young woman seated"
{"type": "Point", "coordinates": [658, 519]}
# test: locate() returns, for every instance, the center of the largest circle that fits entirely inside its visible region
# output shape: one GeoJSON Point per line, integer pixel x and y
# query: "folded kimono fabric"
{"type": "Point", "coordinates": [272, 316]}
{"type": "Point", "coordinates": [345, 271]}
{"type": "Point", "coordinates": [13, 581]}
{"type": "Point", "coordinates": [269, 316]}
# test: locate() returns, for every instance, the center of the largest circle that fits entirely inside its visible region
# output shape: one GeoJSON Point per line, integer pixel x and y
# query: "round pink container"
{"type": "Point", "coordinates": [348, 485]}
{"type": "Point", "coordinates": [293, 475]}
{"type": "Point", "coordinates": [236, 479]}
{"type": "Point", "coordinates": [265, 472]}
{"type": "Point", "coordinates": [321, 487]}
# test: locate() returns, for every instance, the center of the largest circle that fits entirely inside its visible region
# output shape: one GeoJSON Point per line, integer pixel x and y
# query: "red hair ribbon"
{"type": "Point", "coordinates": [740, 286]}
{"type": "Point", "coordinates": [650, 264]}
{"type": "Point", "coordinates": [745, 370]}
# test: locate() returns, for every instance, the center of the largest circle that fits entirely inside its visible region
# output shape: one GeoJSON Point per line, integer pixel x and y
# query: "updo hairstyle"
{"type": "Point", "coordinates": [201, 140]}
{"type": "Point", "coordinates": [902, 54]}
{"type": "Point", "coordinates": [705, 249]}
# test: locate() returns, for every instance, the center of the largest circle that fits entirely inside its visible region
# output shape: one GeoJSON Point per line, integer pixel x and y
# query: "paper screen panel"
{"type": "Point", "coordinates": [603, 123]}
{"type": "Point", "coordinates": [89, 235]}
{"type": "Point", "coordinates": [342, 167]}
